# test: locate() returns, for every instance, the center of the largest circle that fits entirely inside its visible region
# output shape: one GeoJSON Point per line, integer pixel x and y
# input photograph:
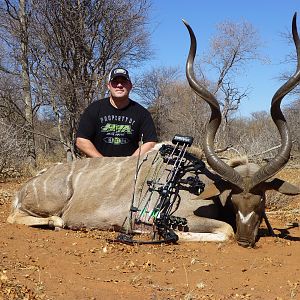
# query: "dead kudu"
{"type": "Point", "coordinates": [97, 193]}
{"type": "Point", "coordinates": [246, 184]}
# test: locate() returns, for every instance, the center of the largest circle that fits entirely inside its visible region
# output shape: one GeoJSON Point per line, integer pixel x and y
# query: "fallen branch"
{"type": "Point", "coordinates": [268, 150]}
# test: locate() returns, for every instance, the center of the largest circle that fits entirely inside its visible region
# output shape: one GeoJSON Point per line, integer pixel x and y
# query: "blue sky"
{"type": "Point", "coordinates": [170, 39]}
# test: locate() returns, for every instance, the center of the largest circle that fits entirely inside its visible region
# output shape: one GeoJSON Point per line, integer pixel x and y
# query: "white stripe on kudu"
{"type": "Point", "coordinates": [245, 219]}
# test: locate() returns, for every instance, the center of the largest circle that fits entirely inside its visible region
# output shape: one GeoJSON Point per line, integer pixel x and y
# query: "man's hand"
{"type": "Point", "coordinates": [87, 147]}
{"type": "Point", "coordinates": [144, 148]}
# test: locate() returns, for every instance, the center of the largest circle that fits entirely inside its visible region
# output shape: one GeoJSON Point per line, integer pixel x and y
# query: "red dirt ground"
{"type": "Point", "coordinates": [44, 264]}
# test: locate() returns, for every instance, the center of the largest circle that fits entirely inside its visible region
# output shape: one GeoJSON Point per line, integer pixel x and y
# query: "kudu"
{"type": "Point", "coordinates": [247, 184]}
{"type": "Point", "coordinates": [97, 192]}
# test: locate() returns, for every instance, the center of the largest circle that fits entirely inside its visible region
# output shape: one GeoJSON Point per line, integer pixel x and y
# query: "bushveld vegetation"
{"type": "Point", "coordinates": [55, 57]}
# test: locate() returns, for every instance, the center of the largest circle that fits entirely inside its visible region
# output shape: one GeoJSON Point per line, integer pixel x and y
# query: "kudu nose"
{"type": "Point", "coordinates": [245, 243]}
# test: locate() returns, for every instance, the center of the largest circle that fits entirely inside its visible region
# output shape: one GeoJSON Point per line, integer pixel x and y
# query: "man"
{"type": "Point", "coordinates": [114, 126]}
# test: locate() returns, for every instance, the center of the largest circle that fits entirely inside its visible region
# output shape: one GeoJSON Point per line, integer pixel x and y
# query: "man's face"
{"type": "Point", "coordinates": [120, 87]}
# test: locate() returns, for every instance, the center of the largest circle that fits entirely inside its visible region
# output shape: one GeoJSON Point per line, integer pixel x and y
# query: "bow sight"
{"type": "Point", "coordinates": [178, 162]}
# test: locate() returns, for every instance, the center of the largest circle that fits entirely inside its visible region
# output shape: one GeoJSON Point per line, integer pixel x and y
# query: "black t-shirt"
{"type": "Point", "coordinates": [116, 132]}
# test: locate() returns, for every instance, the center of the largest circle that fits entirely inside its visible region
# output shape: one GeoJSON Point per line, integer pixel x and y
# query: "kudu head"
{"type": "Point", "coordinates": [247, 186]}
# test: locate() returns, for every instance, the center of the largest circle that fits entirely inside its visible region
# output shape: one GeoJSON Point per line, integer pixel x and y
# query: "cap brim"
{"type": "Point", "coordinates": [119, 75]}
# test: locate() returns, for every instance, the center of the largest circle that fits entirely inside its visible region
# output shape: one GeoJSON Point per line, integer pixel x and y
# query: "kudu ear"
{"type": "Point", "coordinates": [282, 186]}
{"type": "Point", "coordinates": [224, 196]}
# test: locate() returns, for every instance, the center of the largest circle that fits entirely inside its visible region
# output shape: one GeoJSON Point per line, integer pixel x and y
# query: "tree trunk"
{"type": "Point", "coordinates": [31, 155]}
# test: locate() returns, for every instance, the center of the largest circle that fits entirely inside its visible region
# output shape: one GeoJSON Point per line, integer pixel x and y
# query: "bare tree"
{"type": "Point", "coordinates": [174, 107]}
{"type": "Point", "coordinates": [234, 45]}
{"type": "Point", "coordinates": [187, 113]}
{"type": "Point", "coordinates": [78, 44]}
{"type": "Point", "coordinates": [12, 145]}
{"type": "Point", "coordinates": [153, 88]}
{"type": "Point", "coordinates": [57, 54]}
{"type": "Point", "coordinates": [292, 113]}
{"type": "Point", "coordinates": [16, 23]}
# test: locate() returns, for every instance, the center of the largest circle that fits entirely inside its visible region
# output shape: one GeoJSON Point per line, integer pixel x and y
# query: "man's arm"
{"type": "Point", "coordinates": [87, 147]}
{"type": "Point", "coordinates": [144, 148]}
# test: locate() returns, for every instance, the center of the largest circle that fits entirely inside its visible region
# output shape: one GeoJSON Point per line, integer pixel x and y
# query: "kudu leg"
{"type": "Point", "coordinates": [22, 218]}
{"type": "Point", "coordinates": [271, 232]}
{"type": "Point", "coordinates": [206, 230]}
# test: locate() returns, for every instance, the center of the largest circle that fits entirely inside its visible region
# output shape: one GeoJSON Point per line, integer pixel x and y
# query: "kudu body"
{"type": "Point", "coordinates": [97, 193]}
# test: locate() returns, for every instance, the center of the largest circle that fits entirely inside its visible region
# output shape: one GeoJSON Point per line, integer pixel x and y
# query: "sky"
{"type": "Point", "coordinates": [170, 39]}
